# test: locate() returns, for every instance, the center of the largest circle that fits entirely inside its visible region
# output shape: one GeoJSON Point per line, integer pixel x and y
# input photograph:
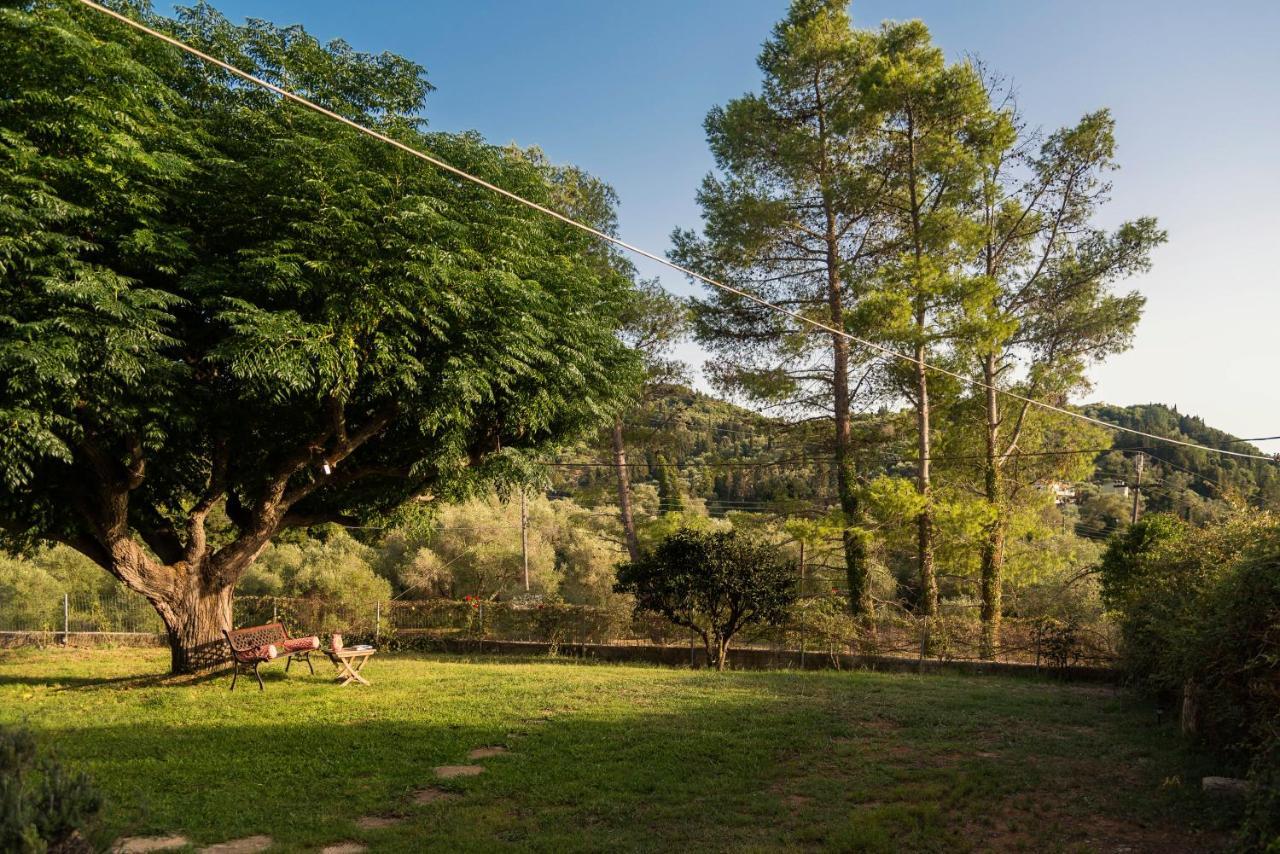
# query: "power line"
{"type": "Point", "coordinates": [884, 352]}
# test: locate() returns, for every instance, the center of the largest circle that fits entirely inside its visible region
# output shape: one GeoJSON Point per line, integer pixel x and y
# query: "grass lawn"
{"type": "Point", "coordinates": [616, 757]}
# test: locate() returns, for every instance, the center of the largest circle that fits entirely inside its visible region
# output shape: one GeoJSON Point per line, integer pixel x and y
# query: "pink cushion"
{"type": "Point", "coordinates": [301, 644]}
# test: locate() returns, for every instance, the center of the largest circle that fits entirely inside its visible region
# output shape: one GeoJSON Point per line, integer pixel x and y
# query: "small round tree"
{"type": "Point", "coordinates": [714, 583]}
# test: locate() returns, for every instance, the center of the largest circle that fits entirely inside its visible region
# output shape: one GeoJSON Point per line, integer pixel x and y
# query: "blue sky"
{"type": "Point", "coordinates": [621, 88]}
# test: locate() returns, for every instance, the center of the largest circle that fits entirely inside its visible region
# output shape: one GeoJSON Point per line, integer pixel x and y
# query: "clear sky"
{"type": "Point", "coordinates": [621, 88]}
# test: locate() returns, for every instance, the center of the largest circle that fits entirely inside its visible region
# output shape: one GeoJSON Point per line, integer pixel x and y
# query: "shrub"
{"type": "Point", "coordinates": [43, 806]}
{"type": "Point", "coordinates": [1200, 612]}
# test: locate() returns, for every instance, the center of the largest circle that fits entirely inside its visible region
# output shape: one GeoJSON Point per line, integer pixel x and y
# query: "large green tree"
{"type": "Point", "coordinates": [211, 297]}
{"type": "Point", "coordinates": [1051, 311]}
{"type": "Point", "coordinates": [795, 215]}
{"type": "Point", "coordinates": [937, 128]}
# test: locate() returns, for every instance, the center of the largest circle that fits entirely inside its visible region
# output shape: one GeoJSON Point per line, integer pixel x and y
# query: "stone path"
{"type": "Point", "coordinates": [431, 795]}
{"type": "Point", "coordinates": [147, 844]}
{"type": "Point", "coordinates": [448, 772]}
{"type": "Point", "coordinates": [486, 752]}
{"type": "Point", "coordinates": [254, 844]}
{"type": "Point", "coordinates": [247, 845]}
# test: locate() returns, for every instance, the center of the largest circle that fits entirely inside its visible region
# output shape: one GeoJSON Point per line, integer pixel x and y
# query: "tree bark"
{"type": "Point", "coordinates": [992, 582]}
{"type": "Point", "coordinates": [924, 522]}
{"type": "Point", "coordinates": [624, 492]}
{"type": "Point", "coordinates": [718, 652]}
{"type": "Point", "coordinates": [194, 622]}
{"type": "Point", "coordinates": [855, 552]}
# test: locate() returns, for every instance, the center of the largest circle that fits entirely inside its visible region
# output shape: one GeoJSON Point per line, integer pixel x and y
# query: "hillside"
{"type": "Point", "coordinates": [686, 444]}
{"type": "Point", "coordinates": [1181, 477]}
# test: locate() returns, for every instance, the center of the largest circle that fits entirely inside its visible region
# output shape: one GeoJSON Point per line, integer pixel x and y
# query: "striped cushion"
{"type": "Point", "coordinates": [258, 653]}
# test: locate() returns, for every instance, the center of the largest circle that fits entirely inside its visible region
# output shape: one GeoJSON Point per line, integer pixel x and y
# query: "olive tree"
{"type": "Point", "coordinates": [713, 582]}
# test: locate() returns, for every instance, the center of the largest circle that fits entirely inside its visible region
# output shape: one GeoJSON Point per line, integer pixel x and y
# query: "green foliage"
{"type": "Point", "coordinates": [337, 568]}
{"type": "Point", "coordinates": [1200, 611]}
{"type": "Point", "coordinates": [714, 583]}
{"type": "Point", "coordinates": [212, 297]}
{"type": "Point", "coordinates": [44, 807]}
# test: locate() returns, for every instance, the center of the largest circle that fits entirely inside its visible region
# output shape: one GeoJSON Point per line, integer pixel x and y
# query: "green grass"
{"type": "Point", "coordinates": [615, 757]}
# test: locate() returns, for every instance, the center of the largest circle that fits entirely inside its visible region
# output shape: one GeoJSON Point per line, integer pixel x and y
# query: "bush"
{"type": "Point", "coordinates": [1200, 613]}
{"type": "Point", "coordinates": [43, 806]}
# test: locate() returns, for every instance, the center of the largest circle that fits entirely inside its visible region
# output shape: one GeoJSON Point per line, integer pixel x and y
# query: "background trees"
{"type": "Point", "coordinates": [214, 298]}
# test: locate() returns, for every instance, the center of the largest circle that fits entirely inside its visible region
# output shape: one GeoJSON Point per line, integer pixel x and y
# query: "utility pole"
{"type": "Point", "coordinates": [524, 537]}
{"type": "Point", "coordinates": [1137, 486]}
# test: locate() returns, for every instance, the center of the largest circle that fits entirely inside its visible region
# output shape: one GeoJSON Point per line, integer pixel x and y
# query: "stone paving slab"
{"type": "Point", "coordinates": [448, 772]}
{"type": "Point", "coordinates": [246, 845]}
{"type": "Point", "coordinates": [146, 844]}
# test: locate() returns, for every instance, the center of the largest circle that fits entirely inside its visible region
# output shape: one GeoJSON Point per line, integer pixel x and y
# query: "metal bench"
{"type": "Point", "coordinates": [255, 645]}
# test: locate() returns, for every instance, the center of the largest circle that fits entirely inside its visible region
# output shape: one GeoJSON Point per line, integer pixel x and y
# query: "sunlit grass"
{"type": "Point", "coordinates": [613, 757]}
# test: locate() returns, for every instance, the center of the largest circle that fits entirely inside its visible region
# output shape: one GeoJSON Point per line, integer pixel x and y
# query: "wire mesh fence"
{"type": "Point", "coordinates": [115, 612]}
{"type": "Point", "coordinates": [819, 625]}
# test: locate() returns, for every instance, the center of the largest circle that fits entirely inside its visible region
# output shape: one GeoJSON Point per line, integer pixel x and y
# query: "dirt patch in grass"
{"type": "Point", "coordinates": [448, 772]}
{"type": "Point", "coordinates": [1019, 822]}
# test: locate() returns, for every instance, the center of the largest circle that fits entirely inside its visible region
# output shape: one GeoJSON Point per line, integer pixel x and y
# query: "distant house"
{"type": "Point", "coordinates": [1062, 492]}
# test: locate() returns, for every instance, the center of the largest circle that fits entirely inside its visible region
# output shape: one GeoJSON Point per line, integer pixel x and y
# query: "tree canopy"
{"type": "Point", "coordinates": [214, 297]}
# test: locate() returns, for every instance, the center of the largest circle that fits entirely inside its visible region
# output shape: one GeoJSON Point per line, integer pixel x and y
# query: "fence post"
{"type": "Point", "coordinates": [66, 619]}
{"type": "Point", "coordinates": [377, 621]}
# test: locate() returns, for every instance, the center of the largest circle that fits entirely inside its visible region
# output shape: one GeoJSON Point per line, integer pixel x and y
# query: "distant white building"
{"type": "Point", "coordinates": [1062, 492]}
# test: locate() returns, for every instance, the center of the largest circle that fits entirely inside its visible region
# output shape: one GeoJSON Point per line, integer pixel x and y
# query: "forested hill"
{"type": "Point", "coordinates": [686, 445]}
{"type": "Point", "coordinates": [1210, 476]}
{"type": "Point", "coordinates": [690, 445]}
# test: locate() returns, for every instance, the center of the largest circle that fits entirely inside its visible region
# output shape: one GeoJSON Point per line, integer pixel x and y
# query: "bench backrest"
{"type": "Point", "coordinates": [252, 637]}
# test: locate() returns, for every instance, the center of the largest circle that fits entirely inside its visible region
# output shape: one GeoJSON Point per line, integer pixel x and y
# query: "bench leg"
{"type": "Point", "coordinates": [288, 662]}
{"type": "Point", "coordinates": [261, 687]}
{"type": "Point", "coordinates": [235, 674]}
{"type": "Point", "coordinates": [310, 666]}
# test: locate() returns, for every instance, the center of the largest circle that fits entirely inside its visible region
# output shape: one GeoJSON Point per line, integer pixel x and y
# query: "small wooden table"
{"type": "Point", "coordinates": [349, 663]}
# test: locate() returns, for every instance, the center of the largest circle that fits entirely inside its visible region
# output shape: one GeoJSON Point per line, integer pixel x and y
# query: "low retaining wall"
{"type": "Point", "coordinates": [767, 659]}
{"type": "Point", "coordinates": [746, 658]}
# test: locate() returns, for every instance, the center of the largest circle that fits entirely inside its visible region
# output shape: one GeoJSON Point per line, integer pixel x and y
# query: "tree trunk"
{"type": "Point", "coordinates": [718, 649]}
{"type": "Point", "coordinates": [624, 492]}
{"type": "Point", "coordinates": [855, 552]}
{"type": "Point", "coordinates": [994, 536]}
{"type": "Point", "coordinates": [924, 522]}
{"type": "Point", "coordinates": [194, 622]}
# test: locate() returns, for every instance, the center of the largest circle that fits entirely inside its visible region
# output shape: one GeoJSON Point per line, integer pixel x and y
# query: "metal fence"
{"type": "Point", "coordinates": [117, 612]}
{"type": "Point", "coordinates": [818, 625]}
